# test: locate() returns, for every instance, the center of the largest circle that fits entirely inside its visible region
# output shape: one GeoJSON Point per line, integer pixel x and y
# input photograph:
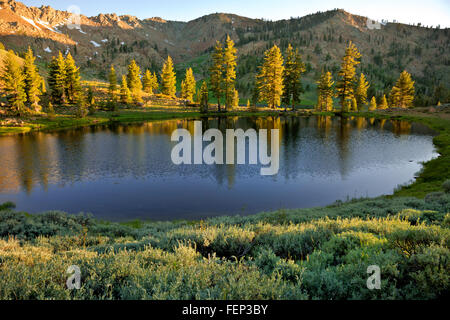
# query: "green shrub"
{"type": "Point", "coordinates": [319, 253]}
{"type": "Point", "coordinates": [446, 186]}
{"type": "Point", "coordinates": [21, 225]}
{"type": "Point", "coordinates": [446, 221]}
{"type": "Point", "coordinates": [434, 196]}
{"type": "Point", "coordinates": [7, 205]}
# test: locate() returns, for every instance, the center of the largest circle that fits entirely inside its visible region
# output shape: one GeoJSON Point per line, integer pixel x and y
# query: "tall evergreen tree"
{"type": "Point", "coordinates": [354, 105]}
{"type": "Point", "coordinates": [112, 77]}
{"type": "Point", "coordinates": [150, 82]}
{"type": "Point", "coordinates": [361, 91]}
{"type": "Point", "coordinates": [383, 104]}
{"type": "Point", "coordinates": [235, 101]}
{"type": "Point", "coordinates": [125, 94]}
{"type": "Point", "coordinates": [80, 103]}
{"type": "Point", "coordinates": [155, 82]}
{"type": "Point", "coordinates": [229, 68]}
{"type": "Point", "coordinates": [183, 93]}
{"type": "Point", "coordinates": [373, 104]}
{"type": "Point", "coordinates": [168, 79]}
{"type": "Point", "coordinates": [216, 73]}
{"type": "Point", "coordinates": [13, 82]}
{"type": "Point", "coordinates": [270, 77]}
{"type": "Point", "coordinates": [346, 84]}
{"type": "Point", "coordinates": [91, 101]}
{"type": "Point", "coordinates": [72, 79]}
{"type": "Point", "coordinates": [57, 79]}
{"type": "Point", "coordinates": [325, 92]}
{"type": "Point", "coordinates": [147, 82]}
{"type": "Point", "coordinates": [50, 110]}
{"type": "Point", "coordinates": [293, 70]}
{"type": "Point", "coordinates": [33, 81]}
{"type": "Point", "coordinates": [402, 94]}
{"type": "Point", "coordinates": [188, 85]}
{"type": "Point", "coordinates": [203, 97]}
{"type": "Point", "coordinates": [134, 81]}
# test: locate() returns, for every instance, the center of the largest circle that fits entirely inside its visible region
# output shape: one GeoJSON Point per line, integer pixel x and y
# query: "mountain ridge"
{"type": "Point", "coordinates": [321, 38]}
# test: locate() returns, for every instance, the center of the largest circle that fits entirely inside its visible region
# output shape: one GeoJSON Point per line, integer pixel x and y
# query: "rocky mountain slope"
{"type": "Point", "coordinates": [107, 38]}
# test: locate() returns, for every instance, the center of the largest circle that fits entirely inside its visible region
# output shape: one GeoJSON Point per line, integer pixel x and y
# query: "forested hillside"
{"type": "Point", "coordinates": [321, 39]}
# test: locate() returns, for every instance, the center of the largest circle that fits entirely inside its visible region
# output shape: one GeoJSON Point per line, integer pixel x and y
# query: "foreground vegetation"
{"type": "Point", "coordinates": [319, 253]}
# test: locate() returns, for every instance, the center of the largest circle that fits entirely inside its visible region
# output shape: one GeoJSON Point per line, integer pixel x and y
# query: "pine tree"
{"type": "Point", "coordinates": [354, 105]}
{"type": "Point", "coordinates": [197, 95]}
{"type": "Point", "coordinates": [134, 81]}
{"type": "Point", "coordinates": [216, 72]}
{"type": "Point", "coordinates": [168, 79]}
{"type": "Point", "coordinates": [361, 91]}
{"type": "Point", "coordinates": [183, 93]}
{"type": "Point", "coordinates": [57, 79]}
{"type": "Point", "coordinates": [235, 100]}
{"type": "Point", "coordinates": [325, 92]}
{"type": "Point", "coordinates": [188, 86]}
{"type": "Point", "coordinates": [293, 70]}
{"type": "Point", "coordinates": [255, 92]}
{"type": "Point", "coordinates": [33, 80]}
{"type": "Point", "coordinates": [125, 94]}
{"type": "Point", "coordinates": [72, 79]}
{"type": "Point", "coordinates": [50, 110]}
{"type": "Point", "coordinates": [345, 86]}
{"type": "Point", "coordinates": [373, 104]}
{"type": "Point", "coordinates": [91, 101]}
{"type": "Point", "coordinates": [270, 77]}
{"type": "Point", "coordinates": [383, 105]}
{"type": "Point", "coordinates": [80, 103]}
{"type": "Point", "coordinates": [155, 84]}
{"type": "Point", "coordinates": [402, 94]}
{"type": "Point", "coordinates": [229, 68]}
{"type": "Point", "coordinates": [204, 97]}
{"type": "Point", "coordinates": [150, 82]}
{"type": "Point", "coordinates": [112, 84]}
{"type": "Point", "coordinates": [13, 82]}
{"type": "Point", "coordinates": [43, 87]}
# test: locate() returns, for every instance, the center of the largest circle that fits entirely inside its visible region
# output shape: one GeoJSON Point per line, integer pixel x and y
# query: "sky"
{"type": "Point", "coordinates": [430, 12]}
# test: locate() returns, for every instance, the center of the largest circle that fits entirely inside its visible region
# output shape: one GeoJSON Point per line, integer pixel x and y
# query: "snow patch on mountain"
{"type": "Point", "coordinates": [95, 44]}
{"type": "Point", "coordinates": [45, 24]}
{"type": "Point", "coordinates": [31, 22]}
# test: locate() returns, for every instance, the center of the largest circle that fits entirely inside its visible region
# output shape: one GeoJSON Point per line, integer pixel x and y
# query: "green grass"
{"type": "Point", "coordinates": [13, 130]}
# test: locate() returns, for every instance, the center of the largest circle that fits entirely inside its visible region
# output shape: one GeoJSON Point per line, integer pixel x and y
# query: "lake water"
{"type": "Point", "coordinates": [125, 172]}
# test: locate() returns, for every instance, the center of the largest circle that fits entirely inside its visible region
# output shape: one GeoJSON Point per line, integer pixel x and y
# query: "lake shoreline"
{"type": "Point", "coordinates": [430, 179]}
{"type": "Point", "coordinates": [298, 254]}
{"type": "Point", "coordinates": [62, 121]}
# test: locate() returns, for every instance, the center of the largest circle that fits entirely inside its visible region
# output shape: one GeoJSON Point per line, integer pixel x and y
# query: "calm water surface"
{"type": "Point", "coordinates": [124, 172]}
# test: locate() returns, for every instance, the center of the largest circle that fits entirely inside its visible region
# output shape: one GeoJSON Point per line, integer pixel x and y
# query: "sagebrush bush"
{"type": "Point", "coordinates": [446, 186]}
{"type": "Point", "coordinates": [319, 253]}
